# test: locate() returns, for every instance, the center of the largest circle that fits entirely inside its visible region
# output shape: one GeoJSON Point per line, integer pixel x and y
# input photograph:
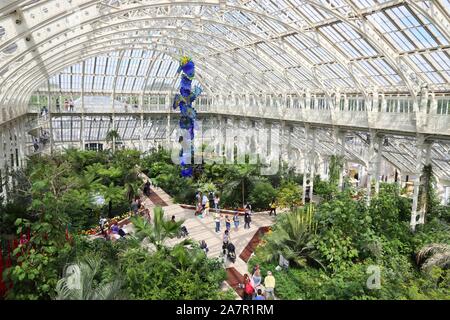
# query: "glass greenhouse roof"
{"type": "Point", "coordinates": [240, 46]}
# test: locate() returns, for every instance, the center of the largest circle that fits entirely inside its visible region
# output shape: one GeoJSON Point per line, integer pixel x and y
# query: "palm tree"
{"type": "Point", "coordinates": [112, 136]}
{"type": "Point", "coordinates": [292, 238]}
{"type": "Point", "coordinates": [435, 254]}
{"type": "Point", "coordinates": [78, 283]}
{"type": "Point", "coordinates": [158, 231]}
{"type": "Point", "coordinates": [243, 175]}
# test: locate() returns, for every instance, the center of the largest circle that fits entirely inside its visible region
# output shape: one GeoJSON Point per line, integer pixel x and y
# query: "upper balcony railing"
{"type": "Point", "coordinates": [407, 118]}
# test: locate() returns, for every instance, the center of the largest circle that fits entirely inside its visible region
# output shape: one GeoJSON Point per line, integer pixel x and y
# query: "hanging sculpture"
{"type": "Point", "coordinates": [184, 101]}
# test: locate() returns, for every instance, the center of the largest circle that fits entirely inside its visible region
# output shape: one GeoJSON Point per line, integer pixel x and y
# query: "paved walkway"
{"type": "Point", "coordinates": [204, 228]}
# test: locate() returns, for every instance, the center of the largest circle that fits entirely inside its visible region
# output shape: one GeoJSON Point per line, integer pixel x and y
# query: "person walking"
{"type": "Point", "coordinates": [211, 199]}
{"type": "Point", "coordinates": [102, 223]}
{"type": "Point", "coordinates": [226, 240]}
{"type": "Point", "coordinates": [206, 211]}
{"type": "Point", "coordinates": [204, 201]}
{"type": "Point", "coordinates": [269, 284]}
{"type": "Point", "coordinates": [135, 206]}
{"type": "Point", "coordinates": [198, 197]}
{"type": "Point", "coordinates": [58, 105]}
{"type": "Point", "coordinates": [216, 202]}
{"type": "Point", "coordinates": [217, 221]}
{"type": "Point", "coordinates": [236, 221]}
{"type": "Point", "coordinates": [247, 220]}
{"type": "Point", "coordinates": [204, 246]}
{"type": "Point", "coordinates": [248, 288]}
{"type": "Point", "coordinates": [248, 207]}
{"type": "Point", "coordinates": [228, 223]}
{"type": "Point", "coordinates": [273, 207]}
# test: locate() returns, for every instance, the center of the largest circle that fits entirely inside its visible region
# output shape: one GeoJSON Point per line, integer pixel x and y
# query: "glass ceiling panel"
{"type": "Point", "coordinates": [253, 48]}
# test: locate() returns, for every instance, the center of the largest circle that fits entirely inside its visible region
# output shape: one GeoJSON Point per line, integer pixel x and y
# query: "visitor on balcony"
{"type": "Point", "coordinates": [44, 112]}
{"type": "Point", "coordinates": [35, 144]}
{"type": "Point", "coordinates": [58, 105]}
{"type": "Point", "coordinates": [71, 105]}
{"type": "Point", "coordinates": [66, 105]}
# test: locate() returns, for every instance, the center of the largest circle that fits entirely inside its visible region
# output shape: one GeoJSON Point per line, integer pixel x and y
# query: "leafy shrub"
{"type": "Point", "coordinates": [262, 195]}
{"type": "Point", "coordinates": [289, 195]}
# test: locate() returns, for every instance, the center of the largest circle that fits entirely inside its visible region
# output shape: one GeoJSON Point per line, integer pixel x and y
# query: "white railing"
{"type": "Point", "coordinates": [389, 121]}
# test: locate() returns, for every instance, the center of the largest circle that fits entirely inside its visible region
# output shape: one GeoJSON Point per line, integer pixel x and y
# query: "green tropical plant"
{"type": "Point", "coordinates": [111, 137]}
{"type": "Point", "coordinates": [434, 255]}
{"type": "Point", "coordinates": [79, 282]}
{"type": "Point", "coordinates": [289, 195]}
{"type": "Point", "coordinates": [262, 195]}
{"type": "Point", "coordinates": [335, 169]}
{"type": "Point", "coordinates": [292, 237]}
{"type": "Point", "coordinates": [241, 177]}
{"type": "Point", "coordinates": [158, 231]}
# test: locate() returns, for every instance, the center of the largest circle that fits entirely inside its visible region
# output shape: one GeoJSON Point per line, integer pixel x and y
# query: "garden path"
{"type": "Point", "coordinates": [204, 229]}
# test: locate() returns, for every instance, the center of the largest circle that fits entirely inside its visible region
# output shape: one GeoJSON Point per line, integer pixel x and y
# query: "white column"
{"type": "Point", "coordinates": [305, 162]}
{"type": "Point", "coordinates": [380, 140]}
{"type": "Point", "coordinates": [418, 170]}
{"type": "Point", "coordinates": [370, 164]}
{"type": "Point", "coordinates": [52, 143]}
{"type": "Point", "coordinates": [342, 153]}
{"type": "Point", "coordinates": [312, 164]}
{"type": "Point", "coordinates": [82, 139]}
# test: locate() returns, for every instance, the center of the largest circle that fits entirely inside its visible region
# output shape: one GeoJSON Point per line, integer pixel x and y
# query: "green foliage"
{"type": "Point", "coordinates": [289, 195]}
{"type": "Point", "coordinates": [158, 231]}
{"type": "Point", "coordinates": [324, 189]}
{"type": "Point", "coordinates": [352, 236]}
{"type": "Point", "coordinates": [83, 281]}
{"type": "Point", "coordinates": [292, 238]}
{"type": "Point", "coordinates": [179, 274]}
{"type": "Point", "coordinates": [238, 181]}
{"type": "Point", "coordinates": [262, 195]}
{"type": "Point", "coordinates": [428, 199]}
{"type": "Point", "coordinates": [336, 166]}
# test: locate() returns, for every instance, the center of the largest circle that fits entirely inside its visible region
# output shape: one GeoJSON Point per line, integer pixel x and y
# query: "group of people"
{"type": "Point", "coordinates": [253, 286]}
{"type": "Point", "coordinates": [44, 138]}
{"type": "Point", "coordinates": [68, 105]}
{"type": "Point", "coordinates": [205, 202]}
{"type": "Point", "coordinates": [138, 209]}
{"type": "Point", "coordinates": [114, 231]}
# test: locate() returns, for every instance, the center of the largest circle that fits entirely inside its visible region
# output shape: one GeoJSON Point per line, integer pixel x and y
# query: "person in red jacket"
{"type": "Point", "coordinates": [248, 288]}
